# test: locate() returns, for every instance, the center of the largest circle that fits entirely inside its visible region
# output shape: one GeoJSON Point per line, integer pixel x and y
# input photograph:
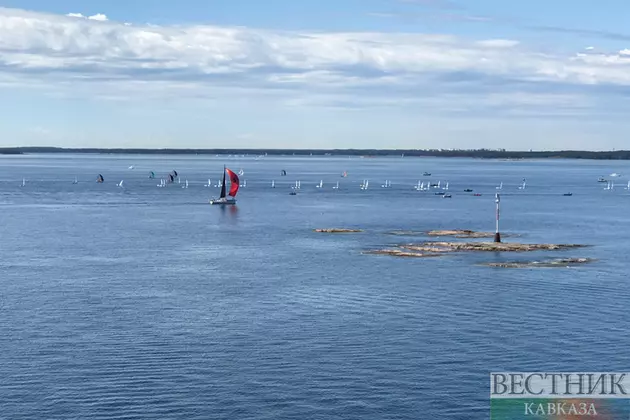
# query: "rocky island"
{"type": "Point", "coordinates": [558, 262]}
{"type": "Point", "coordinates": [432, 248]}
{"type": "Point", "coordinates": [337, 230]}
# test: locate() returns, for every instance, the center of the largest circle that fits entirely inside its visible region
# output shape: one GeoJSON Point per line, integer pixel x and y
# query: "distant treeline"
{"type": "Point", "coordinates": [10, 151]}
{"type": "Point", "coordinates": [478, 153]}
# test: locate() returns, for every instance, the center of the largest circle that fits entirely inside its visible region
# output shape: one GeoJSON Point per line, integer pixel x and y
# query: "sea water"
{"type": "Point", "coordinates": [146, 302]}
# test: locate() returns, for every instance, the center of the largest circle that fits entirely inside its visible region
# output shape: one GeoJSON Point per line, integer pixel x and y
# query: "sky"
{"type": "Point", "coordinates": [412, 74]}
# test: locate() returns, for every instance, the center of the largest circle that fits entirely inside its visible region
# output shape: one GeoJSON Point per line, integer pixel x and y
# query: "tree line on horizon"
{"type": "Point", "coordinates": [467, 153]}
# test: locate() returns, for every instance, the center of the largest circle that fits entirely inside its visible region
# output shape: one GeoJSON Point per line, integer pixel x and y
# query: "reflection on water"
{"type": "Point", "coordinates": [229, 213]}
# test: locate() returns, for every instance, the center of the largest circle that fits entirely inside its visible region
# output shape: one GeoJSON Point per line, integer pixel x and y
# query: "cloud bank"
{"type": "Point", "coordinates": [364, 68]}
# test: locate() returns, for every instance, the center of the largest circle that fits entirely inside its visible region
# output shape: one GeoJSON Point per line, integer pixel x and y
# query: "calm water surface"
{"type": "Point", "coordinates": [149, 303]}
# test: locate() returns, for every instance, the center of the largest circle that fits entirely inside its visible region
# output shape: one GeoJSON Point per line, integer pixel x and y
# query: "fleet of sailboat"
{"type": "Point", "coordinates": [230, 188]}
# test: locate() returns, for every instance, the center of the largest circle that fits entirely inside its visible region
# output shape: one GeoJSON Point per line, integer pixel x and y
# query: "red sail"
{"type": "Point", "coordinates": [234, 182]}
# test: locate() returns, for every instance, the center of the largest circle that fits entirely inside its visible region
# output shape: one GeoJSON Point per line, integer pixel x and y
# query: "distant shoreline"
{"type": "Point", "coordinates": [479, 153]}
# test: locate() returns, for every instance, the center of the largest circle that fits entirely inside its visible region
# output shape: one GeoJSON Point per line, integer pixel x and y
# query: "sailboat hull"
{"type": "Point", "coordinates": [223, 201]}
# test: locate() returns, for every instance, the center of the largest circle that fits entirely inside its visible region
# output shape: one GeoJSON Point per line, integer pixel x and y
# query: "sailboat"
{"type": "Point", "coordinates": [500, 187]}
{"type": "Point", "coordinates": [522, 187]}
{"type": "Point", "coordinates": [336, 187]}
{"type": "Point", "coordinates": [273, 184]}
{"type": "Point", "coordinates": [321, 184]}
{"type": "Point", "coordinates": [100, 179]}
{"type": "Point", "coordinates": [365, 184]}
{"type": "Point", "coordinates": [76, 180]}
{"type": "Point", "coordinates": [185, 184]}
{"type": "Point", "coordinates": [120, 184]}
{"type": "Point", "coordinates": [209, 184]}
{"type": "Point", "coordinates": [23, 182]}
{"type": "Point", "coordinates": [387, 184]}
{"type": "Point", "coordinates": [234, 185]}
{"type": "Point", "coordinates": [446, 186]}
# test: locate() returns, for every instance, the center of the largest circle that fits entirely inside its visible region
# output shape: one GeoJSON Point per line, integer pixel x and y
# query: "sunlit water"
{"type": "Point", "coordinates": [149, 303]}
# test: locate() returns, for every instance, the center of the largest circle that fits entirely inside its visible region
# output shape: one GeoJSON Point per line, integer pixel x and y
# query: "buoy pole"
{"type": "Point", "coordinates": [497, 235]}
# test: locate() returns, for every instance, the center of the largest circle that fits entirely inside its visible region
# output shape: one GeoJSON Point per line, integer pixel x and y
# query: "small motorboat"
{"type": "Point", "coordinates": [477, 195]}
{"type": "Point", "coordinates": [292, 193]}
{"type": "Point", "coordinates": [446, 196]}
{"type": "Point", "coordinates": [426, 174]}
{"type": "Point", "coordinates": [600, 179]}
{"type": "Point", "coordinates": [468, 190]}
{"type": "Point", "coordinates": [567, 194]}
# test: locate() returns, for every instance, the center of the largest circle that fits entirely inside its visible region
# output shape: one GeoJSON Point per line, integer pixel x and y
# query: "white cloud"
{"type": "Point", "coordinates": [74, 49]}
{"type": "Point", "coordinates": [99, 16]}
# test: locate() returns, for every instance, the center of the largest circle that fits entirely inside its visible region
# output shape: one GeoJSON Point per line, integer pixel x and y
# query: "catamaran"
{"type": "Point", "coordinates": [226, 199]}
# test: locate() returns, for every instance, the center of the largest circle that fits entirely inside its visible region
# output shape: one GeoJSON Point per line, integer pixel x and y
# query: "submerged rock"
{"type": "Point", "coordinates": [559, 262]}
{"type": "Point", "coordinates": [400, 253]}
{"type": "Point", "coordinates": [337, 230]}
{"type": "Point", "coordinates": [461, 233]}
{"type": "Point", "coordinates": [405, 233]}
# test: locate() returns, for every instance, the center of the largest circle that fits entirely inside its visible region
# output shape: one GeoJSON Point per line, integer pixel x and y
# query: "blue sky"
{"type": "Point", "coordinates": [345, 73]}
